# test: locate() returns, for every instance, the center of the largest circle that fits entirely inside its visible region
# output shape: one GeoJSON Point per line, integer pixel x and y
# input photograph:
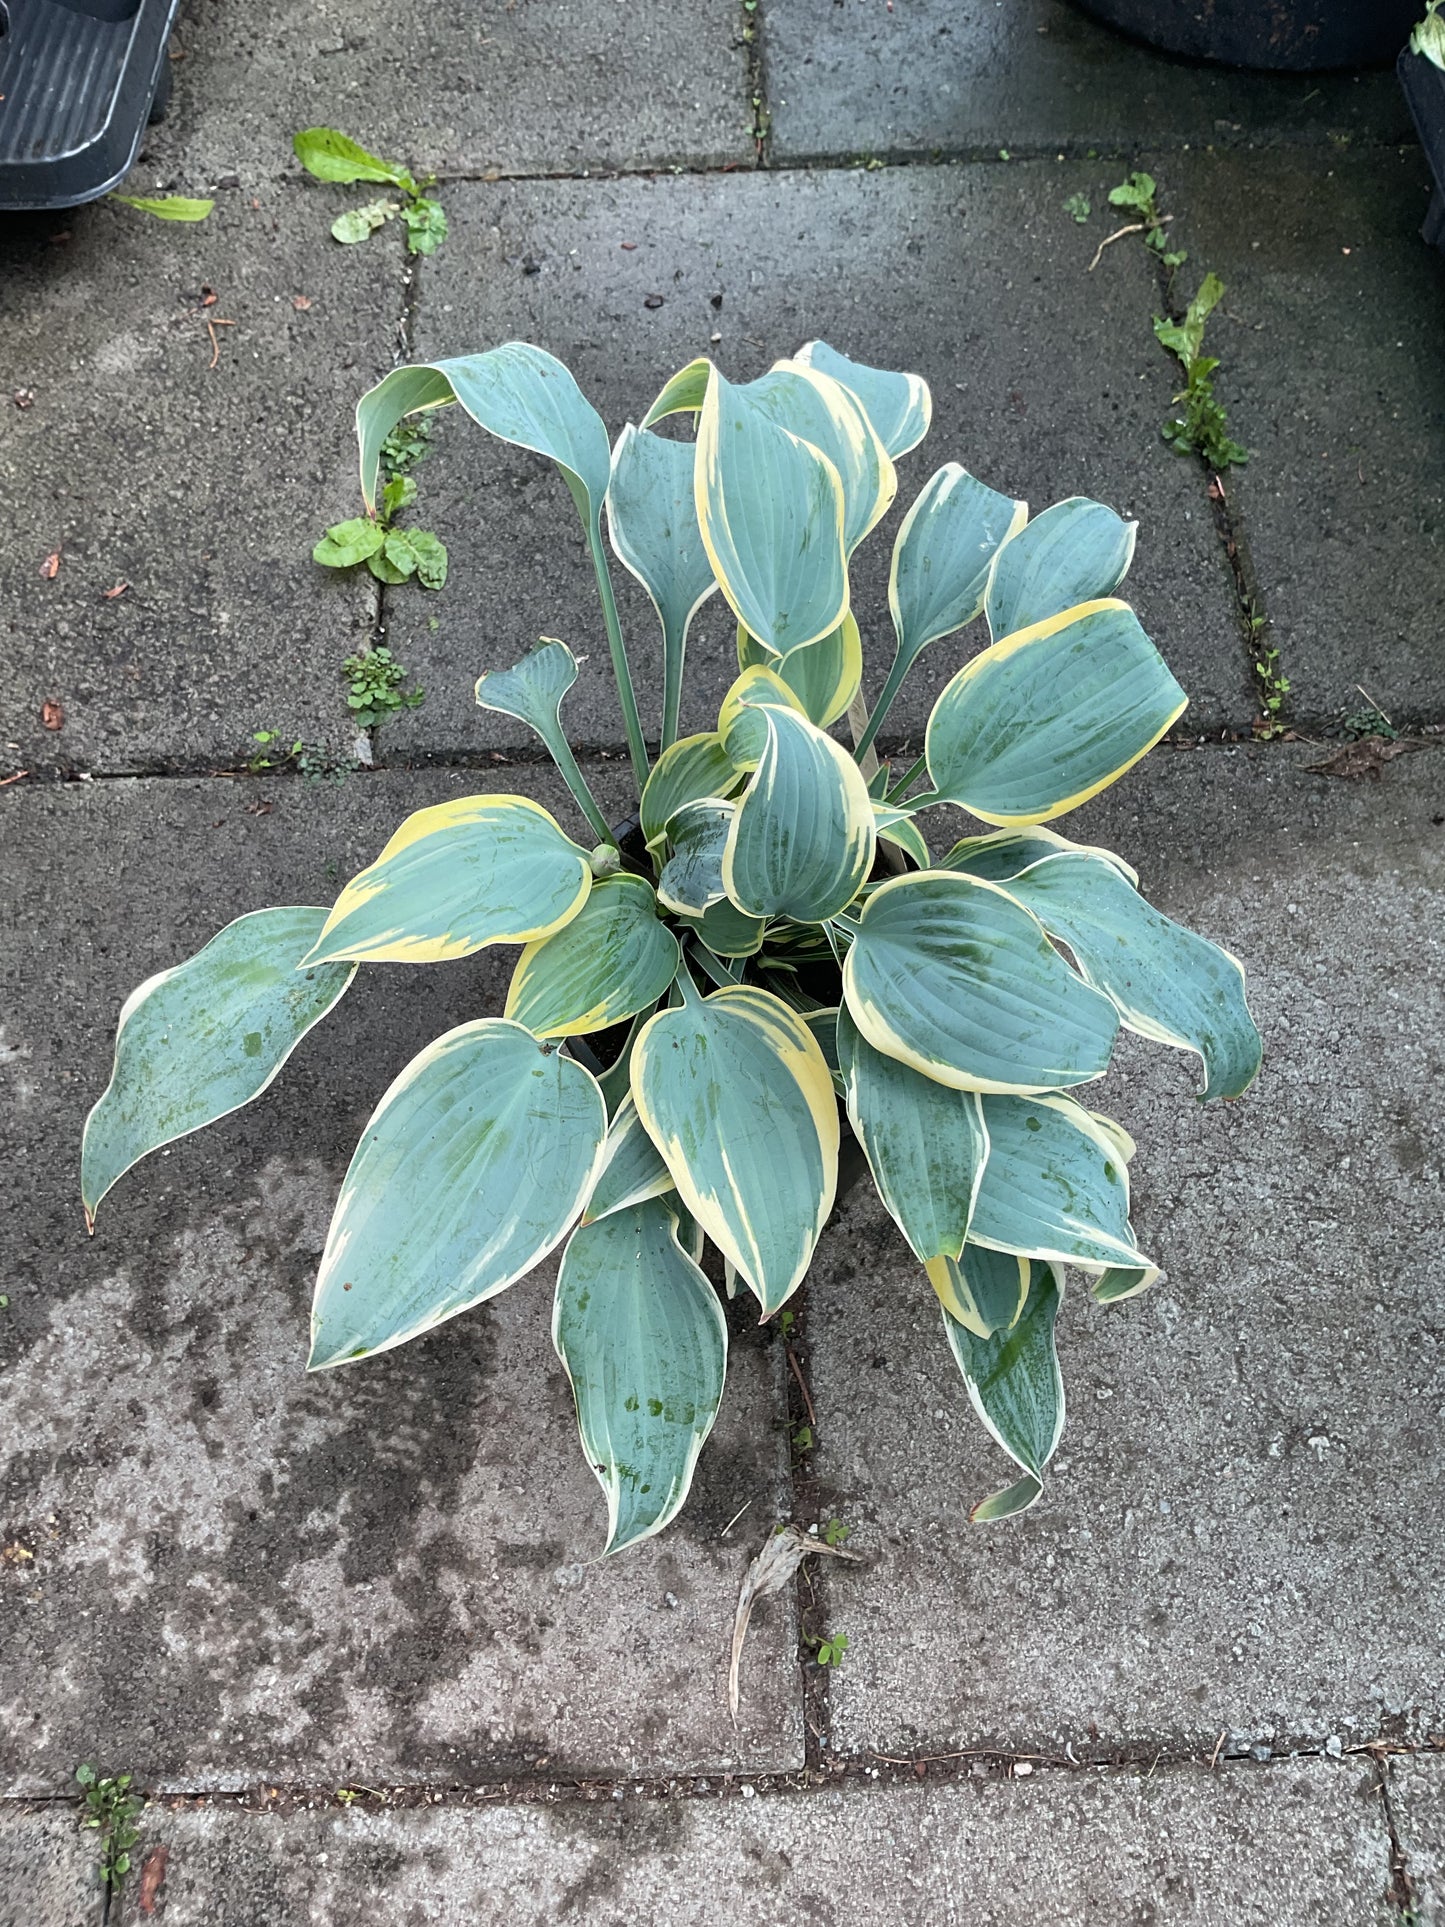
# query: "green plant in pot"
{"type": "Point", "coordinates": [775, 950]}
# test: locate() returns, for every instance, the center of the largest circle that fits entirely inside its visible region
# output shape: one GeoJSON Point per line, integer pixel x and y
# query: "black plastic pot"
{"type": "Point", "coordinates": [1424, 88]}
{"type": "Point", "coordinates": [1296, 36]}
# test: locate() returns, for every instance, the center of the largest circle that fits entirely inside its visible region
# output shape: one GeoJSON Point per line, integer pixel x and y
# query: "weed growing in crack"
{"type": "Point", "coordinates": [830, 1649]}
{"type": "Point", "coordinates": [1202, 428]}
{"type": "Point", "coordinates": [111, 1810]}
{"type": "Point", "coordinates": [332, 156]}
{"type": "Point", "coordinates": [1269, 674]}
{"type": "Point", "coordinates": [374, 687]}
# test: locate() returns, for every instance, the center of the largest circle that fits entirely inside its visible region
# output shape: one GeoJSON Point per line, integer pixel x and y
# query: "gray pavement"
{"type": "Point", "coordinates": [252, 1589]}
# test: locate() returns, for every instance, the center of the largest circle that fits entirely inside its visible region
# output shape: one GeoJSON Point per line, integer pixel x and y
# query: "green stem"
{"type": "Point", "coordinates": [712, 966]}
{"type": "Point", "coordinates": [561, 753]}
{"type": "Point", "coordinates": [899, 787]}
{"type": "Point", "coordinates": [636, 747]}
{"type": "Point", "coordinates": [684, 983]}
{"type": "Point", "coordinates": [891, 687]}
{"type": "Point", "coordinates": [672, 658]}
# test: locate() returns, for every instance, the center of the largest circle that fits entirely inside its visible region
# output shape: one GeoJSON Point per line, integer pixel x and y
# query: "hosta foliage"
{"type": "Point", "coordinates": [773, 954]}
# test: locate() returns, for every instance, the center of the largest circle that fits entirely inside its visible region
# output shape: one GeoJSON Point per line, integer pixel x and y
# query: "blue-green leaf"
{"type": "Point", "coordinates": [943, 555]}
{"type": "Point", "coordinates": [611, 960]}
{"type": "Point", "coordinates": [1076, 551]}
{"type": "Point", "coordinates": [802, 839]}
{"type": "Point", "coordinates": [962, 984]}
{"type": "Point", "coordinates": [899, 406]}
{"type": "Point", "coordinates": [734, 1092]}
{"type": "Point", "coordinates": [642, 1337]}
{"type": "Point", "coordinates": [1015, 1386]}
{"type": "Point", "coordinates": [1045, 719]}
{"type": "Point", "coordinates": [519, 393]}
{"type": "Point", "coordinates": [807, 402]}
{"type": "Point", "coordinates": [1056, 1184]}
{"type": "Point", "coordinates": [198, 1041]}
{"type": "Point", "coordinates": [692, 878]}
{"type": "Point", "coordinates": [454, 878]}
{"type": "Point", "coordinates": [694, 767]}
{"type": "Point", "coordinates": [1166, 983]}
{"type": "Point", "coordinates": [652, 519]}
{"type": "Point", "coordinates": [632, 1167]}
{"type": "Point", "coordinates": [984, 1290]}
{"type": "Point", "coordinates": [471, 1170]}
{"type": "Point", "coordinates": [925, 1143]}
{"type": "Point", "coordinates": [823, 675]}
{"type": "Point", "coordinates": [770, 507]}
{"type": "Point", "coordinates": [728, 931]}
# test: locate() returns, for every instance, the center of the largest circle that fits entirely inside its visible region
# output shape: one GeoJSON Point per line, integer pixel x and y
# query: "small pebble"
{"type": "Point", "coordinates": [1260, 1752]}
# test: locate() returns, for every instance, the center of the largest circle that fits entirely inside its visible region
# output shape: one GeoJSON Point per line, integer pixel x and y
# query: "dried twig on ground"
{"type": "Point", "coordinates": [782, 1554]}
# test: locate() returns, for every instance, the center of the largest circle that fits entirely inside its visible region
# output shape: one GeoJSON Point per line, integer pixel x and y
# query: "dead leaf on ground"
{"type": "Point", "coordinates": [24, 398]}
{"type": "Point", "coordinates": [152, 1879]}
{"type": "Point", "coordinates": [52, 715]}
{"type": "Point", "coordinates": [50, 567]}
{"type": "Point", "coordinates": [109, 595]}
{"type": "Point", "coordinates": [15, 1554]}
{"type": "Point", "coordinates": [1367, 757]}
{"type": "Point", "coordinates": [301, 302]}
{"type": "Point", "coordinates": [781, 1556]}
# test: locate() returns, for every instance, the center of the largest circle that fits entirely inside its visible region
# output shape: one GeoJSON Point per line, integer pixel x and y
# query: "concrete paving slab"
{"type": "Point", "coordinates": [1060, 1849]}
{"type": "Point", "coordinates": [239, 1573]}
{"type": "Point", "coordinates": [49, 1869]}
{"type": "Point", "coordinates": [1046, 382]}
{"type": "Point", "coordinates": [1239, 1533]}
{"type": "Point", "coordinates": [1417, 1806]}
{"type": "Point", "coordinates": [1328, 336]}
{"type": "Point", "coordinates": [201, 489]}
{"type": "Point", "coordinates": [547, 87]}
{"type": "Point", "coordinates": [936, 76]}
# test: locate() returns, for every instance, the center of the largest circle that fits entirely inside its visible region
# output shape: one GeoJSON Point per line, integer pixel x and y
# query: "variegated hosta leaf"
{"type": "Point", "coordinates": [611, 960]}
{"type": "Point", "coordinates": [824, 1026]}
{"type": "Point", "coordinates": [809, 403]}
{"type": "Point", "coordinates": [1005, 854]}
{"type": "Point", "coordinates": [1166, 983]}
{"type": "Point", "coordinates": [695, 766]}
{"type": "Point", "coordinates": [925, 1143]}
{"type": "Point", "coordinates": [962, 983]}
{"type": "Point", "coordinates": [642, 1338]}
{"type": "Point", "coordinates": [734, 1092]}
{"type": "Point", "coordinates": [632, 1167]}
{"type": "Point", "coordinates": [652, 519]}
{"type": "Point", "coordinates": [519, 393]}
{"type": "Point", "coordinates": [900, 827]}
{"type": "Point", "coordinates": [1074, 552]}
{"type": "Point", "coordinates": [457, 877]}
{"type": "Point", "coordinates": [740, 721]}
{"type": "Point", "coordinates": [899, 406]}
{"type": "Point", "coordinates": [824, 675]}
{"type": "Point", "coordinates": [727, 931]}
{"type": "Point", "coordinates": [771, 512]}
{"type": "Point", "coordinates": [943, 555]}
{"type": "Point", "coordinates": [532, 690]}
{"type": "Point", "coordinates": [1015, 1386]}
{"type": "Point", "coordinates": [984, 1290]}
{"type": "Point", "coordinates": [801, 841]}
{"type": "Point", "coordinates": [692, 878]}
{"type": "Point", "coordinates": [1114, 1283]}
{"type": "Point", "coordinates": [196, 1042]}
{"type": "Point", "coordinates": [615, 1079]}
{"type": "Point", "coordinates": [471, 1170]}
{"type": "Point", "coordinates": [1055, 1185]}
{"type": "Point", "coordinates": [683, 393]}
{"type": "Point", "coordinates": [1045, 719]}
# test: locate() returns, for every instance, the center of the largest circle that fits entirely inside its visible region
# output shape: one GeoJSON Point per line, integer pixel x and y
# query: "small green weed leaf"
{"type": "Point", "coordinates": [399, 493]}
{"type": "Point", "coordinates": [355, 225]}
{"type": "Point", "coordinates": [348, 543]}
{"type": "Point", "coordinates": [426, 226]}
{"type": "Point", "coordinates": [431, 557]}
{"type": "Point", "coordinates": [332, 156]}
{"type": "Point", "coordinates": [1136, 194]}
{"type": "Point", "coordinates": [168, 207]}
{"type": "Point", "coordinates": [1078, 206]}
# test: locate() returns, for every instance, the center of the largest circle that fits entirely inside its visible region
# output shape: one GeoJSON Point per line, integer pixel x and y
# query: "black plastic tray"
{"type": "Point", "coordinates": [1424, 88]}
{"type": "Point", "coordinates": [79, 81]}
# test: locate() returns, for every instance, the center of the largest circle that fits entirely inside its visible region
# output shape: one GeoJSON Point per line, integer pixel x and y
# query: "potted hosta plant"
{"type": "Point", "coordinates": [772, 955]}
{"type": "Point", "coordinates": [1299, 36]}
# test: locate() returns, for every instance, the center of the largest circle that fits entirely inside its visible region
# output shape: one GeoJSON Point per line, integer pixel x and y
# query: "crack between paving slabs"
{"type": "Point", "coordinates": [1400, 1893]}
{"type": "Point", "coordinates": [866, 1769]}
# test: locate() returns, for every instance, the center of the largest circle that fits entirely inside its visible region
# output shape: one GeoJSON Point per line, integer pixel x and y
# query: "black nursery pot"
{"type": "Point", "coordinates": [1294, 36]}
{"type": "Point", "coordinates": [1424, 89]}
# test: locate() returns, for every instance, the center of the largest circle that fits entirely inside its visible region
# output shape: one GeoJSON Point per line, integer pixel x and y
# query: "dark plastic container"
{"type": "Point", "coordinates": [79, 79]}
{"type": "Point", "coordinates": [1424, 89]}
{"type": "Point", "coordinates": [1298, 36]}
